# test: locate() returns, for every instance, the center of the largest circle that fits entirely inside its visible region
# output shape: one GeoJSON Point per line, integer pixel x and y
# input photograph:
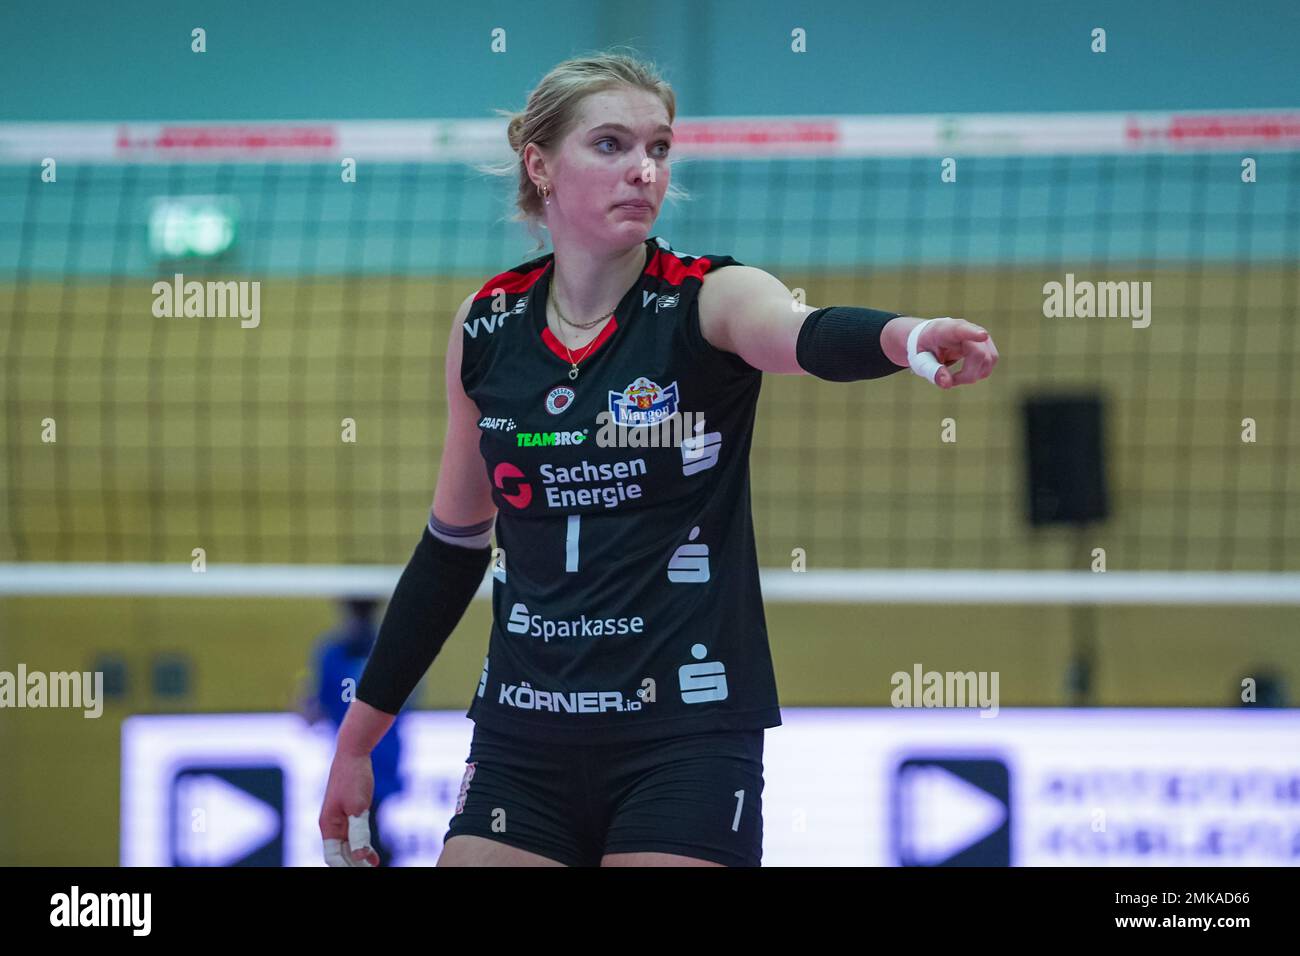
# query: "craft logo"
{"type": "Point", "coordinates": [642, 403]}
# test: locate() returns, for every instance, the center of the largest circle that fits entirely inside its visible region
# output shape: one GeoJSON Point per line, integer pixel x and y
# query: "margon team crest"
{"type": "Point", "coordinates": [642, 403]}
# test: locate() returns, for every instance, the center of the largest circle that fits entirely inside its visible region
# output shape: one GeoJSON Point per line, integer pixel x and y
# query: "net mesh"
{"type": "Point", "coordinates": [177, 433]}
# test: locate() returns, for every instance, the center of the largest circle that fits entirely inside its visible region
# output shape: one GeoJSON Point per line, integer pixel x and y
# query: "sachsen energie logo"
{"type": "Point", "coordinates": [513, 485]}
{"type": "Point", "coordinates": [509, 480]}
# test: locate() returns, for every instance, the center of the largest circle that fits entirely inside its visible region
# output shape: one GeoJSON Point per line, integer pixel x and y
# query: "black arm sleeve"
{"type": "Point", "coordinates": [430, 599]}
{"type": "Point", "coordinates": [842, 344]}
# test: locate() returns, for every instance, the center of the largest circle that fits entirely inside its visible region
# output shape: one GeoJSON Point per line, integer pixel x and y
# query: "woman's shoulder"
{"type": "Point", "coordinates": [517, 278]}
{"type": "Point", "coordinates": [696, 265]}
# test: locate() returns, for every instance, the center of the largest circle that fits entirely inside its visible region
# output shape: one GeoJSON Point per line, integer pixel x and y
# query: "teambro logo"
{"type": "Point", "coordinates": [558, 399]}
{"type": "Point", "coordinates": [643, 403]}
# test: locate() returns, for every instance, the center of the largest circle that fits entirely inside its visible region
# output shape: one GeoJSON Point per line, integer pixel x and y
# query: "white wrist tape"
{"type": "Point", "coordinates": [923, 364]}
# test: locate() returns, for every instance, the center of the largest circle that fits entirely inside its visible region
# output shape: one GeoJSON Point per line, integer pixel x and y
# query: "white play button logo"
{"type": "Point", "coordinates": [218, 824]}
{"type": "Point", "coordinates": [943, 811]}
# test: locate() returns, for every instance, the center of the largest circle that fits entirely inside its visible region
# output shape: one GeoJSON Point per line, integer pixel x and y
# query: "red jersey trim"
{"type": "Point", "coordinates": [587, 351]}
{"type": "Point", "coordinates": [663, 265]}
{"type": "Point", "coordinates": [669, 267]}
{"type": "Point", "coordinates": [510, 282]}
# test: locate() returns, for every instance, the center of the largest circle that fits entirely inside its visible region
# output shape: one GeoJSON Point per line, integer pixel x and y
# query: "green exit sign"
{"type": "Point", "coordinates": [192, 226]}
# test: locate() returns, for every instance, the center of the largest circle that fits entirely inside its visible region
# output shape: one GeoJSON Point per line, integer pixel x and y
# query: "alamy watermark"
{"type": "Point", "coordinates": [58, 689]}
{"type": "Point", "coordinates": [1085, 299]}
{"type": "Point", "coordinates": [672, 431]}
{"type": "Point", "coordinates": [130, 910]}
{"type": "Point", "coordinates": [923, 688]}
{"type": "Point", "coordinates": [209, 300]}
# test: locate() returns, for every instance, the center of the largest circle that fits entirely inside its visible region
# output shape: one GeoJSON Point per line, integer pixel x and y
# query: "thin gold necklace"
{"type": "Point", "coordinates": [573, 371]}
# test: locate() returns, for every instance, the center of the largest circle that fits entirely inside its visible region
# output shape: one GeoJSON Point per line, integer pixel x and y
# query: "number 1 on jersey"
{"type": "Point", "coordinates": [571, 543]}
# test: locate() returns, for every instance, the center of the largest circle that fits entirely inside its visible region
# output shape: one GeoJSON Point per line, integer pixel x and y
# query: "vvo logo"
{"type": "Point", "coordinates": [495, 320]}
{"type": "Point", "coordinates": [662, 302]}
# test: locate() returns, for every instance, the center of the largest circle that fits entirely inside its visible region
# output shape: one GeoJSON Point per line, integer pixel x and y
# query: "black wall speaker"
{"type": "Point", "coordinates": [1065, 449]}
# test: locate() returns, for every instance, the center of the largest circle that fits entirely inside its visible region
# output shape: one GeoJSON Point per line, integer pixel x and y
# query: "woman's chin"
{"type": "Point", "coordinates": [626, 227]}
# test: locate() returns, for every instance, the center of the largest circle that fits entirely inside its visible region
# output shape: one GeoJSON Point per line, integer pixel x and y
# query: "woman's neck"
{"type": "Point", "coordinates": [588, 284]}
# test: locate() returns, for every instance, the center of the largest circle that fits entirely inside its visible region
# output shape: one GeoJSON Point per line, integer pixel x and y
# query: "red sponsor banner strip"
{"type": "Point", "coordinates": [757, 132]}
{"type": "Point", "coordinates": [1221, 130]}
{"type": "Point", "coordinates": [753, 137]}
{"type": "Point", "coordinates": [244, 139]}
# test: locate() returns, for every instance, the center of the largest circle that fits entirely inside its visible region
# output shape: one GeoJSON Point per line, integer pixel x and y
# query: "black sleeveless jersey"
{"type": "Point", "coordinates": [625, 597]}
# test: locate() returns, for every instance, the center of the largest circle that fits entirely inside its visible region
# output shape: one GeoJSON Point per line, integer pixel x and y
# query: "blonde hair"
{"type": "Point", "coordinates": [552, 109]}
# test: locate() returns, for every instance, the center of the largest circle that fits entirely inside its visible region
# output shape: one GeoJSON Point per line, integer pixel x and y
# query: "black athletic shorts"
{"type": "Point", "coordinates": [697, 795]}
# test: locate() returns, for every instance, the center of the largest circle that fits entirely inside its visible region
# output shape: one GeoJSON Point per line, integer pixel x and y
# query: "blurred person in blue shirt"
{"type": "Point", "coordinates": [340, 656]}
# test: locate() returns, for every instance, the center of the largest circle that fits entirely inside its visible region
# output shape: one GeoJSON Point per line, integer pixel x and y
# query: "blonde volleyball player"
{"type": "Point", "coordinates": [620, 713]}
